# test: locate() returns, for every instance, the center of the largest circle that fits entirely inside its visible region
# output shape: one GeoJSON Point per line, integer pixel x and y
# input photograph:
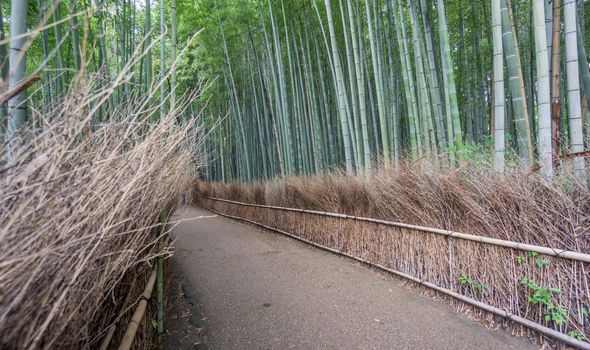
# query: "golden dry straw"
{"type": "Point", "coordinates": [78, 206]}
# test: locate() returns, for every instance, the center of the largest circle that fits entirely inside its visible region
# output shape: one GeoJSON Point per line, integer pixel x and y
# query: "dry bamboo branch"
{"type": "Point", "coordinates": [22, 86]}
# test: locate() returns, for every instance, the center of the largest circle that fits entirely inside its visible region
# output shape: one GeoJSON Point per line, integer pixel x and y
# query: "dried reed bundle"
{"type": "Point", "coordinates": [77, 211]}
{"type": "Point", "coordinates": [514, 207]}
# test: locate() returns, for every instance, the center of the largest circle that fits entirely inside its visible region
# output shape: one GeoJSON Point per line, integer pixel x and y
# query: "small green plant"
{"type": "Point", "coordinates": [465, 280]}
{"type": "Point", "coordinates": [586, 311]}
{"type": "Point", "coordinates": [542, 262]}
{"type": "Point", "coordinates": [479, 287]}
{"type": "Point", "coordinates": [543, 295]}
{"type": "Point", "coordinates": [557, 315]}
{"type": "Point", "coordinates": [577, 335]}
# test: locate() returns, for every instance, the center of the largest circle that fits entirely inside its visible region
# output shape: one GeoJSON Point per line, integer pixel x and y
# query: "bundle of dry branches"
{"type": "Point", "coordinates": [548, 290]}
{"type": "Point", "coordinates": [78, 207]}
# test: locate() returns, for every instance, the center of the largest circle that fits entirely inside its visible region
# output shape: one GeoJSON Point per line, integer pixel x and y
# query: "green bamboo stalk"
{"type": "Point", "coordinates": [148, 41]}
{"type": "Point", "coordinates": [164, 215]}
{"type": "Point", "coordinates": [408, 77]}
{"type": "Point", "coordinates": [576, 126]}
{"type": "Point", "coordinates": [75, 35]}
{"type": "Point", "coordinates": [17, 114]}
{"type": "Point", "coordinates": [162, 60]}
{"type": "Point", "coordinates": [453, 120]}
{"type": "Point", "coordinates": [423, 96]}
{"type": "Point", "coordinates": [174, 43]}
{"type": "Point", "coordinates": [340, 88]}
{"type": "Point", "coordinates": [378, 87]}
{"type": "Point", "coordinates": [46, 85]}
{"type": "Point", "coordinates": [433, 80]}
{"type": "Point", "coordinates": [543, 94]}
{"type": "Point", "coordinates": [353, 96]}
{"type": "Point", "coordinates": [235, 100]}
{"type": "Point", "coordinates": [498, 64]}
{"type": "Point", "coordinates": [516, 85]}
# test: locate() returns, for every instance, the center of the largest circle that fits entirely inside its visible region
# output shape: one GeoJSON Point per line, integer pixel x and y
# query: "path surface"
{"type": "Point", "coordinates": [261, 290]}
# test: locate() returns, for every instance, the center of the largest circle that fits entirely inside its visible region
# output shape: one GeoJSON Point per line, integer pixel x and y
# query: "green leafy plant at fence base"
{"type": "Point", "coordinates": [543, 295]}
{"type": "Point", "coordinates": [577, 335]}
{"type": "Point", "coordinates": [465, 280]}
{"type": "Point", "coordinates": [479, 287]}
{"type": "Point", "coordinates": [542, 262]}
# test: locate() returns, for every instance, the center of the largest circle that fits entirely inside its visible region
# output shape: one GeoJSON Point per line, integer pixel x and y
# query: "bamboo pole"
{"type": "Point", "coordinates": [160, 276]}
{"type": "Point", "coordinates": [107, 339]}
{"type": "Point", "coordinates": [129, 335]}
{"type": "Point", "coordinates": [561, 253]}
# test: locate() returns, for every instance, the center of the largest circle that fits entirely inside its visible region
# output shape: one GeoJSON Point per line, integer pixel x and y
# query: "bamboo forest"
{"type": "Point", "coordinates": [294, 174]}
{"type": "Point", "coordinates": [311, 86]}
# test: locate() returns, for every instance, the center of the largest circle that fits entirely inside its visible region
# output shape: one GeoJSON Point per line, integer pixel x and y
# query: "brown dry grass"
{"type": "Point", "coordinates": [514, 207]}
{"type": "Point", "coordinates": [78, 210]}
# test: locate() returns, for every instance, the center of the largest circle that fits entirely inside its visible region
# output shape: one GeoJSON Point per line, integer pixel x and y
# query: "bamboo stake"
{"type": "Point", "coordinates": [160, 276]}
{"type": "Point", "coordinates": [129, 335]}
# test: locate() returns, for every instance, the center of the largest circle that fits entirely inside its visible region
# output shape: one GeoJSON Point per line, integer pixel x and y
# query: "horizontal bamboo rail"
{"type": "Point", "coordinates": [566, 339]}
{"type": "Point", "coordinates": [561, 253]}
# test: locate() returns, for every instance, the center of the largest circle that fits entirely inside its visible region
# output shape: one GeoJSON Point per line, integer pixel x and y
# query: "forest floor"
{"type": "Point", "coordinates": [242, 288]}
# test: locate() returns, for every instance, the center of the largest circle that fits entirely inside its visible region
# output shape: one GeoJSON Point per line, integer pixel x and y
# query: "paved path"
{"type": "Point", "coordinates": [261, 290]}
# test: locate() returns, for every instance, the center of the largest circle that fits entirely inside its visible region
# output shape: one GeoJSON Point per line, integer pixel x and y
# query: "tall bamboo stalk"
{"type": "Point", "coordinates": [543, 95]}
{"type": "Point", "coordinates": [360, 81]}
{"type": "Point", "coordinates": [340, 88]}
{"type": "Point", "coordinates": [174, 44]}
{"type": "Point", "coordinates": [499, 138]}
{"type": "Point", "coordinates": [378, 86]}
{"type": "Point", "coordinates": [573, 87]}
{"type": "Point", "coordinates": [75, 35]}
{"type": "Point", "coordinates": [17, 115]}
{"type": "Point", "coordinates": [453, 120]}
{"type": "Point", "coordinates": [516, 85]}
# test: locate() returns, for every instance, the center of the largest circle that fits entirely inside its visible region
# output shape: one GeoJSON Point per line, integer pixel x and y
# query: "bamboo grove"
{"type": "Point", "coordinates": [311, 86]}
{"type": "Point", "coordinates": [57, 41]}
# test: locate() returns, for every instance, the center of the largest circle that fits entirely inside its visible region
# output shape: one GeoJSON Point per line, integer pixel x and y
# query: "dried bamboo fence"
{"type": "Point", "coordinates": [480, 271]}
